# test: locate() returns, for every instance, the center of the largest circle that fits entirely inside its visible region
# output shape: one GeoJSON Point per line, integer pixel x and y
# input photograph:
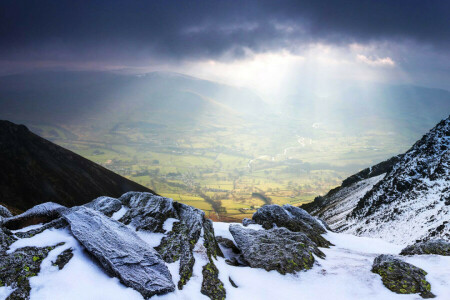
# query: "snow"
{"type": "Point", "coordinates": [81, 278]}
{"type": "Point", "coordinates": [25, 229]}
{"type": "Point", "coordinates": [120, 213]}
{"type": "Point", "coordinates": [5, 291]}
{"type": "Point", "coordinates": [168, 224]}
{"type": "Point", "coordinates": [192, 288]}
{"type": "Point", "coordinates": [344, 273]}
{"type": "Point", "coordinates": [341, 204]}
{"type": "Point", "coordinates": [153, 239]}
{"type": "Point", "coordinates": [222, 229]}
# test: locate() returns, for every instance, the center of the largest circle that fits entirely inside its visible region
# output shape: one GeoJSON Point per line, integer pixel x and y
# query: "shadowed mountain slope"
{"type": "Point", "coordinates": [35, 170]}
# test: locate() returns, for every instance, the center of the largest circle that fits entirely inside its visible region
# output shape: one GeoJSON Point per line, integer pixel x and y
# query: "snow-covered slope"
{"type": "Point", "coordinates": [412, 202]}
{"type": "Point", "coordinates": [340, 204]}
{"type": "Point", "coordinates": [346, 271]}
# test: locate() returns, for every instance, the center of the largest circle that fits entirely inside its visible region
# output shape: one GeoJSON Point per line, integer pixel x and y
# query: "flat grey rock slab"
{"type": "Point", "coordinates": [120, 251]}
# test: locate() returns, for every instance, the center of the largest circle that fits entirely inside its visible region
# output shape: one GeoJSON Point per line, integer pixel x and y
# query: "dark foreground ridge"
{"type": "Point", "coordinates": [35, 170]}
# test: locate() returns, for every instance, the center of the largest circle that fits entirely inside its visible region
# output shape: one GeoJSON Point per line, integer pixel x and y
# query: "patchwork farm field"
{"type": "Point", "coordinates": [229, 171]}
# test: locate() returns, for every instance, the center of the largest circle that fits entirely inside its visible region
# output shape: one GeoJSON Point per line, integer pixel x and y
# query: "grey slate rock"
{"type": "Point", "coordinates": [439, 247]}
{"type": "Point", "coordinates": [57, 224]}
{"type": "Point", "coordinates": [401, 277]}
{"type": "Point", "coordinates": [276, 249]}
{"type": "Point", "coordinates": [6, 239]}
{"type": "Point", "coordinates": [147, 211]}
{"type": "Point", "coordinates": [231, 252]}
{"type": "Point", "coordinates": [63, 258]}
{"type": "Point", "coordinates": [293, 218]}
{"type": "Point", "coordinates": [179, 243]}
{"type": "Point", "coordinates": [247, 221]}
{"type": "Point", "coordinates": [42, 213]}
{"type": "Point", "coordinates": [106, 205]}
{"type": "Point", "coordinates": [120, 251]}
{"type": "Point", "coordinates": [4, 212]}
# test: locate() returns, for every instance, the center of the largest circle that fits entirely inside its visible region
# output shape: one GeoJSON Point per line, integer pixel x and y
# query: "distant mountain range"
{"type": "Point", "coordinates": [34, 170]}
{"type": "Point", "coordinates": [404, 199]}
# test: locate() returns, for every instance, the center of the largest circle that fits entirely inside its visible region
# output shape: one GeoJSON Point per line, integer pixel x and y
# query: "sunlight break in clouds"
{"type": "Point", "coordinates": [385, 61]}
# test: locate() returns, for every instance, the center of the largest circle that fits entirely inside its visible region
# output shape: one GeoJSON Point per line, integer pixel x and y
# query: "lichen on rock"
{"type": "Point", "coordinates": [276, 249]}
{"type": "Point", "coordinates": [293, 218]}
{"type": "Point", "coordinates": [16, 268]}
{"type": "Point", "coordinates": [401, 277]}
{"type": "Point", "coordinates": [439, 247]}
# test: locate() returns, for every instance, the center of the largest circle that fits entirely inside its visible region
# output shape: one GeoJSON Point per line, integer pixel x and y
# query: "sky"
{"type": "Point", "coordinates": [271, 46]}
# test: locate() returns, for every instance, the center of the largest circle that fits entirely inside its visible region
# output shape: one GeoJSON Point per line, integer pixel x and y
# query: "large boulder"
{"type": "Point", "coordinates": [120, 251]}
{"type": "Point", "coordinates": [106, 205]}
{"type": "Point", "coordinates": [439, 247]}
{"type": "Point", "coordinates": [276, 249]}
{"type": "Point", "coordinates": [147, 211]}
{"type": "Point", "coordinates": [42, 213]}
{"type": "Point", "coordinates": [293, 218]}
{"type": "Point", "coordinates": [401, 277]}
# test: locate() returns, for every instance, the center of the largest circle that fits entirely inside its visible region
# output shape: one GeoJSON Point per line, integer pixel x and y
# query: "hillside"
{"type": "Point", "coordinates": [409, 202]}
{"type": "Point", "coordinates": [35, 170]}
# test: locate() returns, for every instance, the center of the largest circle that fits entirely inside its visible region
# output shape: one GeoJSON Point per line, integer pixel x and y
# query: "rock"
{"type": "Point", "coordinates": [4, 212]}
{"type": "Point", "coordinates": [211, 285]}
{"type": "Point", "coordinates": [439, 247]}
{"type": "Point", "coordinates": [57, 223]}
{"type": "Point", "coordinates": [63, 258]}
{"type": "Point", "coordinates": [42, 213]}
{"type": "Point", "coordinates": [401, 277]}
{"type": "Point", "coordinates": [16, 269]}
{"type": "Point", "coordinates": [106, 205]}
{"type": "Point", "coordinates": [120, 251]}
{"type": "Point", "coordinates": [179, 243]}
{"type": "Point", "coordinates": [227, 244]}
{"type": "Point", "coordinates": [147, 211]}
{"type": "Point", "coordinates": [276, 249]}
{"type": "Point", "coordinates": [231, 252]}
{"type": "Point", "coordinates": [293, 218]}
{"type": "Point", "coordinates": [247, 221]}
{"type": "Point", "coordinates": [6, 239]}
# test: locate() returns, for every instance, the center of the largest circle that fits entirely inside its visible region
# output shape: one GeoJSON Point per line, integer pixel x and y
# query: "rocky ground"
{"type": "Point", "coordinates": [142, 246]}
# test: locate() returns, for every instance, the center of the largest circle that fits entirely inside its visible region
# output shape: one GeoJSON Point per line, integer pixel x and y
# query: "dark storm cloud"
{"type": "Point", "coordinates": [136, 30]}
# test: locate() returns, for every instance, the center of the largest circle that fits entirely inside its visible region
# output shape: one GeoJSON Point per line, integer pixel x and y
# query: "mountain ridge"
{"type": "Point", "coordinates": [35, 170]}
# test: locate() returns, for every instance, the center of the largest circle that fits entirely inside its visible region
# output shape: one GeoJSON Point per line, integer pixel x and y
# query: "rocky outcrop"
{"type": "Point", "coordinates": [42, 213]}
{"type": "Point", "coordinates": [293, 218]}
{"type": "Point", "coordinates": [63, 258]}
{"type": "Point", "coordinates": [439, 247]}
{"type": "Point", "coordinates": [147, 211]}
{"type": "Point", "coordinates": [180, 242]}
{"type": "Point", "coordinates": [6, 239]}
{"type": "Point", "coordinates": [401, 277]}
{"type": "Point", "coordinates": [321, 203]}
{"type": "Point", "coordinates": [276, 249]}
{"type": "Point", "coordinates": [105, 205]}
{"type": "Point", "coordinates": [398, 207]}
{"type": "Point", "coordinates": [231, 252]}
{"type": "Point", "coordinates": [247, 221]}
{"type": "Point", "coordinates": [4, 212]}
{"type": "Point", "coordinates": [120, 251]}
{"type": "Point", "coordinates": [56, 224]}
{"type": "Point", "coordinates": [16, 269]}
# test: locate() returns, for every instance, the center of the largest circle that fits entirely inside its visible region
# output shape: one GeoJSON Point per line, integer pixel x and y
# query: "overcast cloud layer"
{"type": "Point", "coordinates": [209, 29]}
{"type": "Point", "coordinates": [412, 34]}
